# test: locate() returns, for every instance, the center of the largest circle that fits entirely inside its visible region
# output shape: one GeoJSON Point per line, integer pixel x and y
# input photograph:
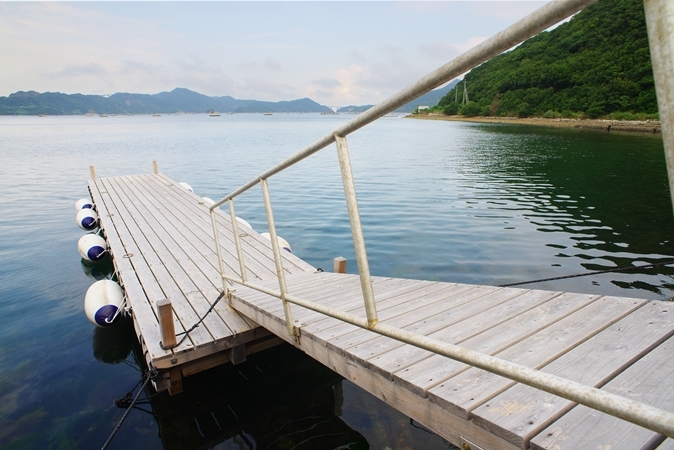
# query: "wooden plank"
{"type": "Point", "coordinates": [140, 248]}
{"type": "Point", "coordinates": [196, 218]}
{"type": "Point", "coordinates": [423, 374]}
{"type": "Point", "coordinates": [176, 381]}
{"type": "Point", "coordinates": [647, 381]}
{"type": "Point", "coordinates": [180, 268]}
{"type": "Point", "coordinates": [463, 307]}
{"type": "Point", "coordinates": [142, 299]}
{"type": "Point", "coordinates": [346, 295]}
{"type": "Point", "coordinates": [389, 304]}
{"type": "Point", "coordinates": [521, 412]}
{"type": "Point", "coordinates": [205, 277]}
{"type": "Point", "coordinates": [144, 320]}
{"type": "Point", "coordinates": [465, 392]}
{"type": "Point", "coordinates": [253, 243]}
{"type": "Point", "coordinates": [256, 241]}
{"type": "Point", "coordinates": [420, 409]}
{"type": "Point", "coordinates": [197, 222]}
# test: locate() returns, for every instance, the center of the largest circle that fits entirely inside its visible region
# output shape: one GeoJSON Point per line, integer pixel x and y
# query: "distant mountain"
{"type": "Point", "coordinates": [178, 100]}
{"type": "Point", "coordinates": [354, 109]}
{"type": "Point", "coordinates": [429, 99]}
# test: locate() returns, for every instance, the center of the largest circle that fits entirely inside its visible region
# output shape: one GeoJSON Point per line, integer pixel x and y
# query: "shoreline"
{"type": "Point", "coordinates": [606, 125]}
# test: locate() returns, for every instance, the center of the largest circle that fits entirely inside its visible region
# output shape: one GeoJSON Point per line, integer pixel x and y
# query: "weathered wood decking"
{"type": "Point", "coordinates": [161, 240]}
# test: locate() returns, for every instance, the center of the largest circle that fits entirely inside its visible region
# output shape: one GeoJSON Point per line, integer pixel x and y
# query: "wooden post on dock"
{"type": "Point", "coordinates": [339, 264]}
{"type": "Point", "coordinates": [166, 326]}
{"type": "Point", "coordinates": [92, 171]}
{"type": "Point", "coordinates": [154, 167]}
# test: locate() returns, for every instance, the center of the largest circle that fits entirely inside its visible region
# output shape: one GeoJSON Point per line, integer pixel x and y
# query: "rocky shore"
{"type": "Point", "coordinates": [625, 126]}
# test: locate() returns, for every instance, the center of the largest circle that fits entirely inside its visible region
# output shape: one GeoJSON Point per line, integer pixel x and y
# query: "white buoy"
{"type": "Point", "coordinates": [240, 221]}
{"type": "Point", "coordinates": [102, 301]}
{"type": "Point", "coordinates": [186, 186]}
{"type": "Point", "coordinates": [87, 219]}
{"type": "Point", "coordinates": [92, 247]}
{"type": "Point", "coordinates": [84, 203]}
{"type": "Point", "coordinates": [282, 242]}
{"type": "Point", "coordinates": [208, 201]}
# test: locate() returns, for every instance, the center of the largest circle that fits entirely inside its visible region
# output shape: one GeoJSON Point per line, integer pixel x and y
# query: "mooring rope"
{"type": "Point", "coordinates": [123, 401]}
{"type": "Point", "coordinates": [186, 333]}
{"type": "Point", "coordinates": [587, 274]}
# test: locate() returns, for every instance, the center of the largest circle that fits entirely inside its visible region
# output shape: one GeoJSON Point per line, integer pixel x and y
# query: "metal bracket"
{"type": "Point", "coordinates": [467, 445]}
{"type": "Point", "coordinates": [297, 333]}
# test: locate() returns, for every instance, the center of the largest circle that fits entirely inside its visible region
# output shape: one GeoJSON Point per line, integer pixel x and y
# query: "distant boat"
{"type": "Point", "coordinates": [103, 115]}
{"type": "Point", "coordinates": [156, 115]}
{"type": "Point", "coordinates": [43, 115]}
{"type": "Point", "coordinates": [215, 114]}
{"type": "Point", "coordinates": [267, 113]}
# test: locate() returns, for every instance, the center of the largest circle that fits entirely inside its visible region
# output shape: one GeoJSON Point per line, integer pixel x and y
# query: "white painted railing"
{"type": "Point", "coordinates": [660, 19]}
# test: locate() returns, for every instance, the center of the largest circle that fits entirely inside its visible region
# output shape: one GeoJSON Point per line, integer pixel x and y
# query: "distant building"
{"type": "Point", "coordinates": [422, 107]}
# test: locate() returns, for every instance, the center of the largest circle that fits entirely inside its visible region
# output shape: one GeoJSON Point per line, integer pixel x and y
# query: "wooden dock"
{"type": "Point", "coordinates": [161, 240]}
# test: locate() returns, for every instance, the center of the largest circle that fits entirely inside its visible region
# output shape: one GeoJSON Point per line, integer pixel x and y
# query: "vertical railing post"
{"type": "Point", "coordinates": [237, 240]}
{"type": "Point", "coordinates": [660, 24]}
{"type": "Point", "coordinates": [277, 258]}
{"type": "Point", "coordinates": [357, 231]}
{"type": "Point", "coordinates": [221, 264]}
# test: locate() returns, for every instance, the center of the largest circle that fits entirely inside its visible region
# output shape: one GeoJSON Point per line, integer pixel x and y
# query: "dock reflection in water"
{"type": "Point", "coordinates": [277, 399]}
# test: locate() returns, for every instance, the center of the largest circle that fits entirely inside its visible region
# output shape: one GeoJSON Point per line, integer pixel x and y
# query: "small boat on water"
{"type": "Point", "coordinates": [215, 114]}
{"type": "Point", "coordinates": [156, 115]}
{"type": "Point", "coordinates": [103, 115]}
{"type": "Point", "coordinates": [267, 113]}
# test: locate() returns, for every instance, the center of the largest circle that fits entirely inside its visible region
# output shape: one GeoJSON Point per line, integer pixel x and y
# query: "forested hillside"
{"type": "Point", "coordinates": [597, 64]}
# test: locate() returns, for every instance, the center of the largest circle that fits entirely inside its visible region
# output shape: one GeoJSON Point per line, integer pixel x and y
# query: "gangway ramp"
{"type": "Point", "coordinates": [161, 241]}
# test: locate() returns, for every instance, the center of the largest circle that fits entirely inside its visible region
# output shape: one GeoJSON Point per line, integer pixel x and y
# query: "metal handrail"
{"type": "Point", "coordinates": [641, 414]}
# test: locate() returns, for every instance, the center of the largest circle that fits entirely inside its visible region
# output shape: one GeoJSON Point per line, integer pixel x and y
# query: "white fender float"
{"type": "Point", "coordinates": [102, 301]}
{"type": "Point", "coordinates": [84, 203]}
{"type": "Point", "coordinates": [184, 185]}
{"type": "Point", "coordinates": [240, 221]}
{"type": "Point", "coordinates": [92, 247]}
{"type": "Point", "coordinates": [208, 201]}
{"type": "Point", "coordinates": [282, 242]}
{"type": "Point", "coordinates": [87, 219]}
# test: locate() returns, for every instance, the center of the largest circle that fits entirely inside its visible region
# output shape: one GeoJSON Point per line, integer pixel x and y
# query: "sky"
{"type": "Point", "coordinates": [336, 53]}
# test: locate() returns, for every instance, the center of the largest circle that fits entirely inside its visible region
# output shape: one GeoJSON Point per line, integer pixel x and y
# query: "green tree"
{"type": "Point", "coordinates": [597, 64]}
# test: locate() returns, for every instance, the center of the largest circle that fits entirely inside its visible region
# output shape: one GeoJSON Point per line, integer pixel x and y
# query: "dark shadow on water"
{"type": "Point", "coordinates": [278, 399]}
{"type": "Point", "coordinates": [112, 345]}
{"type": "Point", "coordinates": [101, 270]}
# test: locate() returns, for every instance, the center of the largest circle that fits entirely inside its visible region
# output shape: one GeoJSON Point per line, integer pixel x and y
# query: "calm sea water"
{"type": "Point", "coordinates": [444, 201]}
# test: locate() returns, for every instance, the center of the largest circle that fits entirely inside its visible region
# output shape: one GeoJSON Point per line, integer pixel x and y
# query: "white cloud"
{"type": "Point", "coordinates": [272, 64]}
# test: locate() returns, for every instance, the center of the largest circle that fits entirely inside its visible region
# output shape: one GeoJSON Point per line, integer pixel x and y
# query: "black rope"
{"type": "Point", "coordinates": [186, 333]}
{"type": "Point", "coordinates": [148, 375]}
{"type": "Point", "coordinates": [587, 274]}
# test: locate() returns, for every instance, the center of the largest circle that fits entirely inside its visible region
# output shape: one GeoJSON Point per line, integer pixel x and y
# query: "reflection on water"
{"type": "Point", "coordinates": [439, 201]}
{"type": "Point", "coordinates": [113, 345]}
{"type": "Point", "coordinates": [596, 201]}
{"type": "Point", "coordinates": [280, 399]}
{"type": "Point", "coordinates": [100, 270]}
